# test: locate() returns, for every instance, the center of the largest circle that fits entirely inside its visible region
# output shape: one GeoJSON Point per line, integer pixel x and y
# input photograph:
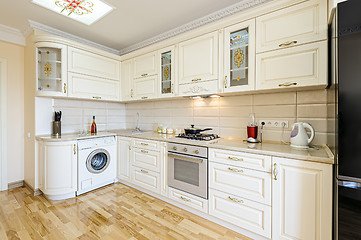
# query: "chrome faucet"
{"type": "Point", "coordinates": [138, 127]}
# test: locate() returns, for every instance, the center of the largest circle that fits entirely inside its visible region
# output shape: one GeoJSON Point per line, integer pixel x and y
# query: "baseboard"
{"type": "Point", "coordinates": [16, 184]}
{"type": "Point", "coordinates": [33, 191]}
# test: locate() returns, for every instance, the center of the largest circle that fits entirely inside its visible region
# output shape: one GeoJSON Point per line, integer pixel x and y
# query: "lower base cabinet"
{"type": "Point", "coordinates": [146, 179]}
{"type": "Point", "coordinates": [123, 152]}
{"type": "Point", "coordinates": [189, 200]}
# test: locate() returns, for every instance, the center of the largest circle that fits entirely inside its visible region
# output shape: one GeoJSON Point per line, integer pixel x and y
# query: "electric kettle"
{"type": "Point", "coordinates": [299, 136]}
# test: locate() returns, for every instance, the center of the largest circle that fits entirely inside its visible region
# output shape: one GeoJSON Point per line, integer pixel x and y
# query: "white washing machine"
{"type": "Point", "coordinates": [97, 163]}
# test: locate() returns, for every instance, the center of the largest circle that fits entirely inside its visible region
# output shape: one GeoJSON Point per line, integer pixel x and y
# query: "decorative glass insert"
{"type": "Point", "coordinates": [239, 58]}
{"type": "Point", "coordinates": [49, 69]}
{"type": "Point", "coordinates": [85, 11]}
{"type": "Point", "coordinates": [166, 72]}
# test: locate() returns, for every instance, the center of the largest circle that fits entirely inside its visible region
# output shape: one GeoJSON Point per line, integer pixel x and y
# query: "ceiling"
{"type": "Point", "coordinates": [131, 22]}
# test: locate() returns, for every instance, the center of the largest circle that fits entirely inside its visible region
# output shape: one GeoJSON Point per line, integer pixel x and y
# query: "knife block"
{"type": "Point", "coordinates": [57, 128]}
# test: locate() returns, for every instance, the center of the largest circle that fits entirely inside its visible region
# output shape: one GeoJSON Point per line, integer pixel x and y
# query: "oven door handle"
{"type": "Point", "coordinates": [186, 158]}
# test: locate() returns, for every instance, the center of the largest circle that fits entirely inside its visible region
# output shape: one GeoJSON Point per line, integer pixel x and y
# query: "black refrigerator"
{"type": "Point", "coordinates": [345, 47]}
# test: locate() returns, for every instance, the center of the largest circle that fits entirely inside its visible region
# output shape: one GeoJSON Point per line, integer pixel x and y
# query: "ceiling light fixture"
{"type": "Point", "coordinates": [84, 11]}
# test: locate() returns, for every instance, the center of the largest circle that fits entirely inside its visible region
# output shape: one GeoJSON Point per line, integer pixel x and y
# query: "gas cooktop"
{"type": "Point", "coordinates": [199, 136]}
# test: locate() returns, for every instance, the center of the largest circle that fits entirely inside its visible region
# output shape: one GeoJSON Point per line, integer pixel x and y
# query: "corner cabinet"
{"type": "Point", "coordinates": [51, 70]}
{"type": "Point", "coordinates": [58, 169]}
{"type": "Point", "coordinates": [302, 200]}
{"type": "Point", "coordinates": [239, 57]}
{"type": "Point", "coordinates": [167, 82]}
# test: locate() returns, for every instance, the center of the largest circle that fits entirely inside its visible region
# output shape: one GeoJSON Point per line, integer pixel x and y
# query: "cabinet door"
{"type": "Point", "coordinates": [59, 166]}
{"type": "Point", "coordinates": [293, 67]}
{"type": "Point", "coordinates": [127, 80]}
{"type": "Point", "coordinates": [146, 159]}
{"type": "Point", "coordinates": [124, 159]}
{"type": "Point", "coordinates": [239, 57]}
{"type": "Point", "coordinates": [164, 169]}
{"type": "Point", "coordinates": [302, 23]}
{"type": "Point", "coordinates": [198, 59]}
{"type": "Point", "coordinates": [51, 71]}
{"type": "Point", "coordinates": [82, 86]}
{"type": "Point", "coordinates": [145, 88]}
{"type": "Point", "coordinates": [92, 64]}
{"type": "Point", "coordinates": [145, 65]}
{"type": "Point", "coordinates": [189, 200]}
{"type": "Point", "coordinates": [167, 67]}
{"type": "Point", "coordinates": [199, 88]}
{"type": "Point", "coordinates": [302, 200]}
{"type": "Point", "coordinates": [146, 179]}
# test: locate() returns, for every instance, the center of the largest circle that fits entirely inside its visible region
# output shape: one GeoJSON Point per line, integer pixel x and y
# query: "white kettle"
{"type": "Point", "coordinates": [299, 136]}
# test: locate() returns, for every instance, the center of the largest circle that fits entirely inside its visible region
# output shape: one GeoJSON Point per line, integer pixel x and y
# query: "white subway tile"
{"type": "Point", "coordinates": [284, 98]}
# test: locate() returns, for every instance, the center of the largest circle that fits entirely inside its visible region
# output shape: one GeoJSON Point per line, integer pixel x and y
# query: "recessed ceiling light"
{"type": "Point", "coordinates": [84, 11]}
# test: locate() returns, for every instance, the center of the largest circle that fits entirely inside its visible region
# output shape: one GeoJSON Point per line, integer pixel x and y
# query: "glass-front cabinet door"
{"type": "Point", "coordinates": [239, 57]}
{"type": "Point", "coordinates": [51, 70]}
{"type": "Point", "coordinates": [167, 85]}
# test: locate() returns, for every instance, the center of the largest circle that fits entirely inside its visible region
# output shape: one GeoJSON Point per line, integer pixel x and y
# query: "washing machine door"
{"type": "Point", "coordinates": [98, 161]}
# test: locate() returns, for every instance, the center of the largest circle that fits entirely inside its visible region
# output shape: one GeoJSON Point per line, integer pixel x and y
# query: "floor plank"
{"type": "Point", "coordinates": [112, 212]}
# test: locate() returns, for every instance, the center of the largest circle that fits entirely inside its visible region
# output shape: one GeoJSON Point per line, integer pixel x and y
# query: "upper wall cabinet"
{"type": "Point", "coordinates": [127, 90]}
{"type": "Point", "coordinates": [299, 24]}
{"type": "Point", "coordinates": [239, 57]}
{"type": "Point", "coordinates": [167, 76]}
{"type": "Point", "coordinates": [51, 71]}
{"type": "Point", "coordinates": [145, 88]}
{"type": "Point", "coordinates": [91, 64]}
{"type": "Point", "coordinates": [145, 65]}
{"type": "Point", "coordinates": [198, 59]}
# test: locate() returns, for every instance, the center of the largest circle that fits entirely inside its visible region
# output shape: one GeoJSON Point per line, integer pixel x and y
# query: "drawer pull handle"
{"type": "Point", "coordinates": [235, 170]}
{"type": "Point", "coordinates": [144, 151]}
{"type": "Point", "coordinates": [64, 87]}
{"type": "Point", "coordinates": [285, 44]}
{"type": "Point", "coordinates": [235, 200]}
{"type": "Point", "coordinates": [185, 199]}
{"type": "Point", "coordinates": [235, 159]}
{"type": "Point", "coordinates": [225, 82]}
{"type": "Point", "coordinates": [97, 97]}
{"type": "Point", "coordinates": [287, 84]}
{"type": "Point", "coordinates": [275, 172]}
{"type": "Point", "coordinates": [144, 97]}
{"type": "Point", "coordinates": [196, 79]}
{"type": "Point", "coordinates": [144, 144]}
{"type": "Point", "coordinates": [74, 149]}
{"type": "Point", "coordinates": [144, 171]}
{"type": "Point", "coordinates": [145, 74]}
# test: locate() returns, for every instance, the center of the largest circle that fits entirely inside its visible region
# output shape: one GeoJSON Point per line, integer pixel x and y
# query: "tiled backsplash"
{"type": "Point", "coordinates": [228, 116]}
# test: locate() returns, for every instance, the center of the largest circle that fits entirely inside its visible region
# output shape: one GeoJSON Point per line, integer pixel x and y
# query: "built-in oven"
{"type": "Point", "coordinates": [188, 168]}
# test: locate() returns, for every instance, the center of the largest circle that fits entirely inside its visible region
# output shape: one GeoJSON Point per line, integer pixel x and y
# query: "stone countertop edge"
{"type": "Point", "coordinates": [274, 149]}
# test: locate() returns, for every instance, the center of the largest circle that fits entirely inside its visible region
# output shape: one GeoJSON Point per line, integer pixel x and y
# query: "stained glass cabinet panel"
{"type": "Point", "coordinates": [167, 86]}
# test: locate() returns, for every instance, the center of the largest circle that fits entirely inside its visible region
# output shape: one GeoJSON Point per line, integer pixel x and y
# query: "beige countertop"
{"type": "Point", "coordinates": [321, 154]}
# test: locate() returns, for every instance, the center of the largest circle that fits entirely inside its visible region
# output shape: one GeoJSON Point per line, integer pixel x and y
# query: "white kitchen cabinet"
{"type": "Point", "coordinates": [199, 88]}
{"type": "Point", "coordinates": [51, 70]}
{"type": "Point", "coordinates": [127, 91]}
{"type": "Point", "coordinates": [189, 200]}
{"type": "Point", "coordinates": [145, 65]}
{"type": "Point", "coordinates": [299, 66]}
{"type": "Point", "coordinates": [164, 169]}
{"type": "Point", "coordinates": [296, 25]}
{"type": "Point", "coordinates": [167, 83]}
{"type": "Point", "coordinates": [244, 213]}
{"type": "Point", "coordinates": [145, 87]}
{"type": "Point", "coordinates": [198, 59]}
{"type": "Point", "coordinates": [146, 179]}
{"type": "Point", "coordinates": [83, 86]}
{"type": "Point", "coordinates": [146, 159]}
{"type": "Point", "coordinates": [239, 57]}
{"type": "Point", "coordinates": [123, 152]}
{"type": "Point", "coordinates": [58, 168]}
{"type": "Point", "coordinates": [302, 200]}
{"type": "Point", "coordinates": [87, 63]}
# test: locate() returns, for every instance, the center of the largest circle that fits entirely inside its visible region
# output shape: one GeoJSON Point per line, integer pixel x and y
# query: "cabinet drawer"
{"type": "Point", "coordinates": [240, 159]}
{"type": "Point", "coordinates": [250, 184]}
{"type": "Point", "coordinates": [146, 179]}
{"type": "Point", "coordinates": [189, 200]}
{"type": "Point", "coordinates": [145, 65]}
{"type": "Point", "coordinates": [147, 159]}
{"type": "Point", "coordinates": [243, 213]}
{"type": "Point", "coordinates": [198, 88]}
{"type": "Point", "coordinates": [146, 144]}
{"type": "Point", "coordinates": [295, 25]}
{"type": "Point", "coordinates": [293, 67]}
{"type": "Point", "coordinates": [145, 88]}
{"type": "Point", "coordinates": [88, 63]}
{"type": "Point", "coordinates": [82, 86]}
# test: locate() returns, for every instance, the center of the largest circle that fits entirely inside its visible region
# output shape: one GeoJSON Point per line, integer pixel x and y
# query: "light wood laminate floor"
{"type": "Point", "coordinates": [113, 212]}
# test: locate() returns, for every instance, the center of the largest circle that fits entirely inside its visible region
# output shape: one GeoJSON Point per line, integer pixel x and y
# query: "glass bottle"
{"type": "Point", "coordinates": [93, 127]}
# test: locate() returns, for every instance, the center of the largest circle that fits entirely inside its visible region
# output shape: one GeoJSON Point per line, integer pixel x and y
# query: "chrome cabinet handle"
{"type": "Point", "coordinates": [285, 44]}
{"type": "Point", "coordinates": [235, 170]}
{"type": "Point", "coordinates": [225, 82]}
{"type": "Point", "coordinates": [144, 151]}
{"type": "Point", "coordinates": [235, 199]}
{"type": "Point", "coordinates": [196, 79]}
{"type": "Point", "coordinates": [275, 172]}
{"type": "Point", "coordinates": [144, 97]}
{"type": "Point", "coordinates": [235, 159]}
{"type": "Point", "coordinates": [144, 75]}
{"type": "Point", "coordinates": [185, 199]}
{"type": "Point", "coordinates": [74, 149]}
{"type": "Point", "coordinates": [97, 97]}
{"type": "Point", "coordinates": [64, 87]}
{"type": "Point", "coordinates": [144, 171]}
{"type": "Point", "coordinates": [287, 84]}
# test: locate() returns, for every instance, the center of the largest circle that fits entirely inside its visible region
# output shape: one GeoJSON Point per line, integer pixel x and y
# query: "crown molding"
{"type": "Point", "coordinates": [53, 31]}
{"type": "Point", "coordinates": [11, 35]}
{"type": "Point", "coordinates": [225, 12]}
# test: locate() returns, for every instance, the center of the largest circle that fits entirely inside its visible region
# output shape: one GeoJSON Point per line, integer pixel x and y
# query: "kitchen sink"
{"type": "Point", "coordinates": [134, 132]}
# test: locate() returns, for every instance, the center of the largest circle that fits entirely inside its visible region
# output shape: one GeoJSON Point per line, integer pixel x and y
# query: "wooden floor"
{"type": "Point", "coordinates": [113, 212]}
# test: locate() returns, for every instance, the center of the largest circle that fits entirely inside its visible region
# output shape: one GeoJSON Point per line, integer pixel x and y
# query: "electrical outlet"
{"type": "Point", "coordinates": [274, 123]}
